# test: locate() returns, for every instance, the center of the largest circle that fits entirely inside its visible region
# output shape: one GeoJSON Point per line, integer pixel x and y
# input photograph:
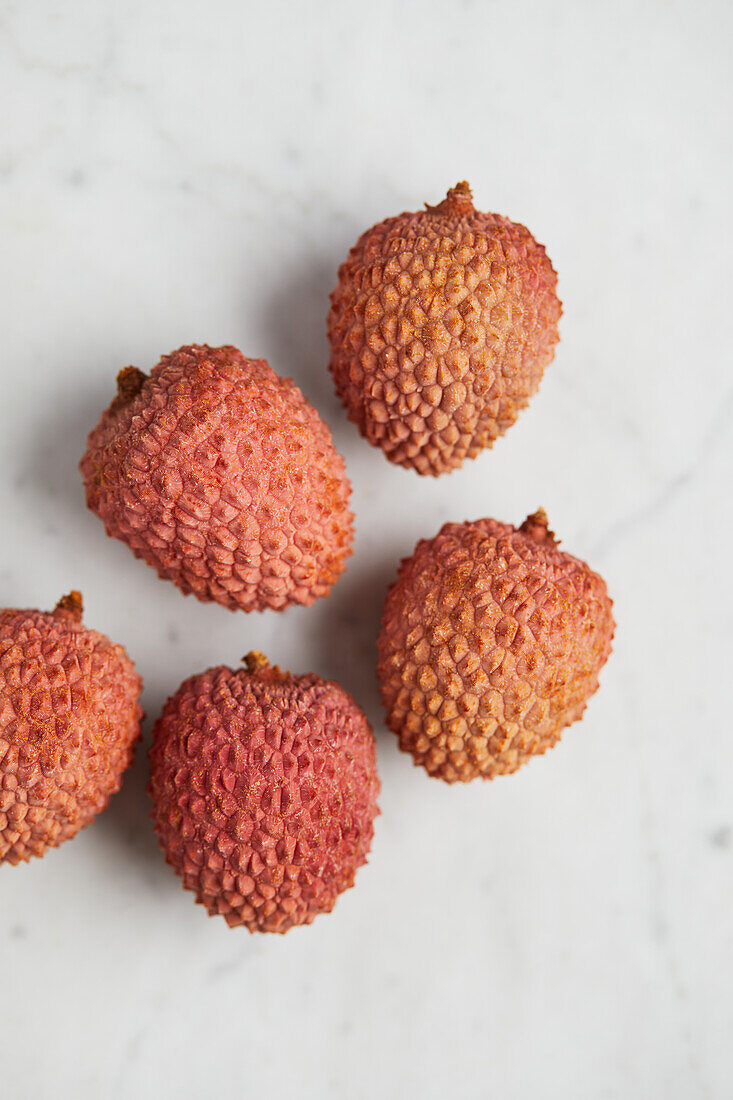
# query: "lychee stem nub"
{"type": "Point", "coordinates": [456, 203]}
{"type": "Point", "coordinates": [130, 381]}
{"type": "Point", "coordinates": [537, 526]}
{"type": "Point", "coordinates": [255, 662]}
{"type": "Point", "coordinates": [257, 665]}
{"type": "Point", "coordinates": [69, 607]}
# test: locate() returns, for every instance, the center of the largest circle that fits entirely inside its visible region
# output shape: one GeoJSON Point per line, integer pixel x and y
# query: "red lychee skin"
{"type": "Point", "coordinates": [441, 325]}
{"type": "Point", "coordinates": [264, 789]}
{"type": "Point", "coordinates": [491, 643]}
{"type": "Point", "coordinates": [220, 475]}
{"type": "Point", "coordinates": [69, 720]}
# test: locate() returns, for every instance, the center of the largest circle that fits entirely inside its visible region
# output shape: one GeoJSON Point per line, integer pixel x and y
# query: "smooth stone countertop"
{"type": "Point", "coordinates": [175, 172]}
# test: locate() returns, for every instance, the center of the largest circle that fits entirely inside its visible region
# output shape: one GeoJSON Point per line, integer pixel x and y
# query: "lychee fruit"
{"type": "Point", "coordinates": [69, 720]}
{"type": "Point", "coordinates": [491, 643]}
{"type": "Point", "coordinates": [264, 789]}
{"type": "Point", "coordinates": [441, 325]}
{"type": "Point", "coordinates": [221, 475]}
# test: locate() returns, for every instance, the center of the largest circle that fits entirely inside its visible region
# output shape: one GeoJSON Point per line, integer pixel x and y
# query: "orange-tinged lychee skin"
{"type": "Point", "coordinates": [491, 643]}
{"type": "Point", "coordinates": [441, 325]}
{"type": "Point", "coordinates": [220, 475]}
{"type": "Point", "coordinates": [69, 720]}
{"type": "Point", "coordinates": [265, 790]}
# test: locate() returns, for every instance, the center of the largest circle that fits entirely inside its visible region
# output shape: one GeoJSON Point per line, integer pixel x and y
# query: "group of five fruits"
{"type": "Point", "coordinates": [220, 475]}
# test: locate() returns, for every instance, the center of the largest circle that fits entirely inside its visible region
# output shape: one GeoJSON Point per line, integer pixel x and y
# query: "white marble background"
{"type": "Point", "coordinates": [175, 172]}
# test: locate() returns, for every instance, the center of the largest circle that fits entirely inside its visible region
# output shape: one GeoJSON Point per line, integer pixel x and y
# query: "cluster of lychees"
{"type": "Point", "coordinates": [220, 475]}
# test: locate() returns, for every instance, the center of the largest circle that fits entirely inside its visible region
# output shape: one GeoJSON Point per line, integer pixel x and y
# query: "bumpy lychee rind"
{"type": "Point", "coordinates": [441, 325]}
{"type": "Point", "coordinates": [491, 643]}
{"type": "Point", "coordinates": [69, 720]}
{"type": "Point", "coordinates": [265, 790]}
{"type": "Point", "coordinates": [220, 475]}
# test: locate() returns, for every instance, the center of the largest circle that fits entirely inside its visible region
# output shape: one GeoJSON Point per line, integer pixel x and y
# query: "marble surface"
{"type": "Point", "coordinates": [195, 172]}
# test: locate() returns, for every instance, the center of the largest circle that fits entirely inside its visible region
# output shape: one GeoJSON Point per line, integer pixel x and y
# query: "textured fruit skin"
{"type": "Point", "coordinates": [265, 790]}
{"type": "Point", "coordinates": [491, 643]}
{"type": "Point", "coordinates": [441, 325]}
{"type": "Point", "coordinates": [69, 720]}
{"type": "Point", "coordinates": [220, 475]}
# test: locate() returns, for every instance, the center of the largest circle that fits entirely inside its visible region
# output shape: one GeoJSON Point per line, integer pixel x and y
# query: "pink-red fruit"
{"type": "Point", "coordinates": [222, 476]}
{"type": "Point", "coordinates": [441, 325]}
{"type": "Point", "coordinates": [69, 720]}
{"type": "Point", "coordinates": [264, 789]}
{"type": "Point", "coordinates": [491, 643]}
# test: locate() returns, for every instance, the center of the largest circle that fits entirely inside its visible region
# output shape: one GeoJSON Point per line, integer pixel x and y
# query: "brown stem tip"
{"type": "Point", "coordinates": [69, 607]}
{"type": "Point", "coordinates": [255, 662]}
{"type": "Point", "coordinates": [537, 527]}
{"type": "Point", "coordinates": [257, 665]}
{"type": "Point", "coordinates": [456, 203]}
{"type": "Point", "coordinates": [130, 381]}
